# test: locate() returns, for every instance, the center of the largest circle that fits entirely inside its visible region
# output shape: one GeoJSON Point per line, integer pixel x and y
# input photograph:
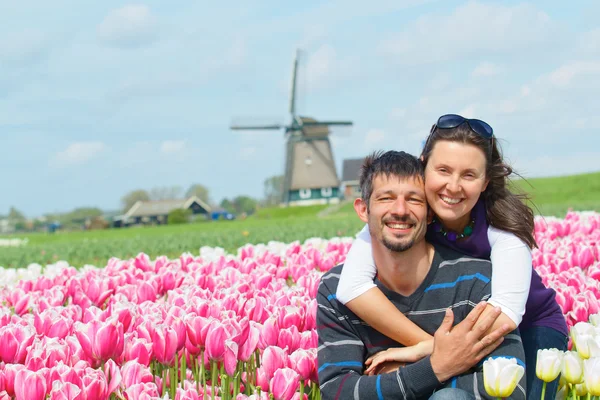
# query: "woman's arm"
{"type": "Point", "coordinates": [357, 291]}
{"type": "Point", "coordinates": [511, 276]}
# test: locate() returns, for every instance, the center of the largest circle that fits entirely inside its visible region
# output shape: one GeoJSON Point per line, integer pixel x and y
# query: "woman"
{"type": "Point", "coordinates": [476, 214]}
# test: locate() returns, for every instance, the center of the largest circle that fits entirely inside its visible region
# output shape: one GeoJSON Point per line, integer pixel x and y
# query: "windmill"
{"type": "Point", "coordinates": [310, 175]}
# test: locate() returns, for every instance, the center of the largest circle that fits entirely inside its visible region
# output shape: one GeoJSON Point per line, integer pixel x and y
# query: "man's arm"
{"type": "Point", "coordinates": [341, 356]}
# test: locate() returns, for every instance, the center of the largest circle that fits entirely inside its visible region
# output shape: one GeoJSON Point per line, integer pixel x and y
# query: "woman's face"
{"type": "Point", "coordinates": [454, 179]}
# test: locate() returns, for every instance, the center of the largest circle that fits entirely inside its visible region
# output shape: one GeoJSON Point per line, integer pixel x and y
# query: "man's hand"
{"type": "Point", "coordinates": [456, 350]}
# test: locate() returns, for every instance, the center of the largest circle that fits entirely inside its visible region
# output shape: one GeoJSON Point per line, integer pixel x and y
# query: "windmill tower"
{"type": "Point", "coordinates": [310, 175]}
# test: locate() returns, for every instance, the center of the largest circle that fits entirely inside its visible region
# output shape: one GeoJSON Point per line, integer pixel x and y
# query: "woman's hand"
{"type": "Point", "coordinates": [399, 354]}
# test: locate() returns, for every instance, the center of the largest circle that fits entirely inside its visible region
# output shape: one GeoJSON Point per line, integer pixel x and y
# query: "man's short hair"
{"type": "Point", "coordinates": [390, 163]}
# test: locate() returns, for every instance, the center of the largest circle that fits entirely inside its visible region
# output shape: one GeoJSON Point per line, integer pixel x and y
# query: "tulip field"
{"type": "Point", "coordinates": [240, 325]}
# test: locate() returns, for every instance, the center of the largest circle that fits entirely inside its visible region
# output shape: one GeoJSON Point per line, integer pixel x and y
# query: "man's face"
{"type": "Point", "coordinates": [397, 215]}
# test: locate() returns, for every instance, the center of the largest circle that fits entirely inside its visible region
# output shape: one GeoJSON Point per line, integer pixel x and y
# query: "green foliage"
{"type": "Point", "coordinates": [97, 247]}
{"type": "Point", "coordinates": [556, 195]}
{"type": "Point", "coordinates": [179, 216]}
{"type": "Point", "coordinates": [273, 190]}
{"type": "Point", "coordinates": [15, 215]}
{"type": "Point", "coordinates": [200, 191]}
{"type": "Point", "coordinates": [133, 197]}
{"type": "Point", "coordinates": [288, 212]}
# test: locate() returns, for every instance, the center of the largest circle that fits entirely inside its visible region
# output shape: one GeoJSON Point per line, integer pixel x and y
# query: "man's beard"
{"type": "Point", "coordinates": [404, 245]}
{"type": "Point", "coordinates": [398, 247]}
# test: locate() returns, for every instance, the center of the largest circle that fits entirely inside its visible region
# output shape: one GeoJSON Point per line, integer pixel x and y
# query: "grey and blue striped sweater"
{"type": "Point", "coordinates": [345, 342]}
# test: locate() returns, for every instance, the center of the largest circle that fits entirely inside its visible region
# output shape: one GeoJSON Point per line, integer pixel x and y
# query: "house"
{"type": "Point", "coordinates": [156, 212]}
{"type": "Point", "coordinates": [350, 178]}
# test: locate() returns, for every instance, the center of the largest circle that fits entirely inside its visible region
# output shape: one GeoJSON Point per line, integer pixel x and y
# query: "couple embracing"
{"type": "Point", "coordinates": [440, 278]}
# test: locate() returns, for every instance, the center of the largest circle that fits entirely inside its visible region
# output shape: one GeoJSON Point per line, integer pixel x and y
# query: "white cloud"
{"type": "Point", "coordinates": [397, 114]}
{"type": "Point", "coordinates": [486, 69]}
{"type": "Point", "coordinates": [324, 68]}
{"type": "Point", "coordinates": [563, 76]}
{"type": "Point", "coordinates": [374, 136]}
{"type": "Point", "coordinates": [78, 153]}
{"type": "Point", "coordinates": [128, 26]}
{"type": "Point", "coordinates": [21, 47]}
{"type": "Point", "coordinates": [172, 146]}
{"type": "Point", "coordinates": [471, 29]}
{"type": "Point", "coordinates": [246, 153]}
{"type": "Point", "coordinates": [468, 111]}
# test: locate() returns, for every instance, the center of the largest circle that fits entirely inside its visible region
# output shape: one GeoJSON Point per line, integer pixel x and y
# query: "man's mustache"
{"type": "Point", "coordinates": [404, 220]}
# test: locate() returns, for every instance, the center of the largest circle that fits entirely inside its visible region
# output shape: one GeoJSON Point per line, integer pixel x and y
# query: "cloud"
{"type": "Point", "coordinates": [471, 29]}
{"type": "Point", "coordinates": [172, 146]}
{"type": "Point", "coordinates": [246, 153]}
{"type": "Point", "coordinates": [128, 27]}
{"type": "Point", "coordinates": [485, 69]}
{"type": "Point", "coordinates": [324, 68]}
{"type": "Point", "coordinates": [563, 77]}
{"type": "Point", "coordinates": [23, 47]}
{"type": "Point", "coordinates": [78, 153]}
{"type": "Point", "coordinates": [374, 136]}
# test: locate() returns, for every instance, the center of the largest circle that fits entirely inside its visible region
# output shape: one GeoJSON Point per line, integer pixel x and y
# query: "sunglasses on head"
{"type": "Point", "coordinates": [478, 126]}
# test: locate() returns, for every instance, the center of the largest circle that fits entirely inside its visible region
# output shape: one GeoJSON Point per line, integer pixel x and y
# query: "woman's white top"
{"type": "Point", "coordinates": [511, 271]}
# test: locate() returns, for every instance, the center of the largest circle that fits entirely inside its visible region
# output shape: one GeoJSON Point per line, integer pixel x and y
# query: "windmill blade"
{"type": "Point", "coordinates": [328, 123]}
{"type": "Point", "coordinates": [256, 124]}
{"type": "Point", "coordinates": [293, 91]}
{"type": "Point", "coordinates": [255, 127]}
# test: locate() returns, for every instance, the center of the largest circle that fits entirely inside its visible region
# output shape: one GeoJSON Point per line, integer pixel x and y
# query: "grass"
{"type": "Point", "coordinates": [551, 196]}
{"type": "Point", "coordinates": [556, 195]}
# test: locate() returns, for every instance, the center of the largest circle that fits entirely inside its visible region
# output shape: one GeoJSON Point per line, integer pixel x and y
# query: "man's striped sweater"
{"type": "Point", "coordinates": [345, 342]}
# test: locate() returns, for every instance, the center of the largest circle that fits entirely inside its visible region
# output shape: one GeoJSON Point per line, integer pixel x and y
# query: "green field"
{"type": "Point", "coordinates": [551, 196]}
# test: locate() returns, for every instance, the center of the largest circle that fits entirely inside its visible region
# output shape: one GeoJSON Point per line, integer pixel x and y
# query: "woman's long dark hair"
{"type": "Point", "coordinates": [505, 210]}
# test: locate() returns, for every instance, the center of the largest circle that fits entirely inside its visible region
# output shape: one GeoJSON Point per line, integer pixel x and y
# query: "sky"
{"type": "Point", "coordinates": [101, 98]}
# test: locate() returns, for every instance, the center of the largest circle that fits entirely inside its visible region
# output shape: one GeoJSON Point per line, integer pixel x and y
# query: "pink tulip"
{"type": "Point", "coordinates": [101, 340]}
{"type": "Point", "coordinates": [291, 316]}
{"type": "Point", "coordinates": [249, 346]}
{"type": "Point", "coordinates": [133, 372]}
{"type": "Point", "coordinates": [138, 349]}
{"type": "Point", "coordinates": [304, 363]}
{"type": "Point", "coordinates": [273, 358]}
{"type": "Point", "coordinates": [15, 340]}
{"type": "Point", "coordinates": [284, 384]}
{"type": "Point", "coordinates": [94, 384]}
{"type": "Point", "coordinates": [30, 385]}
{"type": "Point", "coordinates": [230, 357]}
{"type": "Point", "coordinates": [113, 376]}
{"type": "Point", "coordinates": [215, 341]}
{"type": "Point", "coordinates": [269, 334]}
{"type": "Point", "coordinates": [66, 391]}
{"type": "Point", "coordinates": [164, 344]}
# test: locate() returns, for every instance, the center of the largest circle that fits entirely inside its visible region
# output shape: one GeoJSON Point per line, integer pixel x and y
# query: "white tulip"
{"type": "Point", "coordinates": [549, 364]}
{"type": "Point", "coordinates": [572, 367]}
{"type": "Point", "coordinates": [591, 373]}
{"type": "Point", "coordinates": [501, 376]}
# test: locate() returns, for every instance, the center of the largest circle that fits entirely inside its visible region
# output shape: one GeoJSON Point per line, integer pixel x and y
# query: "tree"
{"type": "Point", "coordinates": [165, 192]}
{"type": "Point", "coordinates": [198, 190]}
{"type": "Point", "coordinates": [227, 205]}
{"type": "Point", "coordinates": [179, 216]}
{"type": "Point", "coordinates": [15, 215]}
{"type": "Point", "coordinates": [244, 204]}
{"type": "Point", "coordinates": [273, 190]}
{"type": "Point", "coordinates": [133, 197]}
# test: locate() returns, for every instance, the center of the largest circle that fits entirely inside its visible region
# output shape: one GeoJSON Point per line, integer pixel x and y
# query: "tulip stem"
{"type": "Point", "coordinates": [543, 397]}
{"type": "Point", "coordinates": [301, 389]}
{"type": "Point", "coordinates": [213, 381]}
{"type": "Point", "coordinates": [183, 368]}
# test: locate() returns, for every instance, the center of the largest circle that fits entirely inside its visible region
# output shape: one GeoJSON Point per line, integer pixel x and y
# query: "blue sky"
{"type": "Point", "coordinates": [100, 98]}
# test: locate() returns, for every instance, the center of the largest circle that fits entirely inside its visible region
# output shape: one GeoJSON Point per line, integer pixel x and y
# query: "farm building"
{"type": "Point", "coordinates": [156, 212]}
{"type": "Point", "coordinates": [350, 177]}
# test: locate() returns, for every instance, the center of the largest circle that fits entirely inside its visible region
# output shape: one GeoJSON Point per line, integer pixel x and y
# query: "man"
{"type": "Point", "coordinates": [411, 274]}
